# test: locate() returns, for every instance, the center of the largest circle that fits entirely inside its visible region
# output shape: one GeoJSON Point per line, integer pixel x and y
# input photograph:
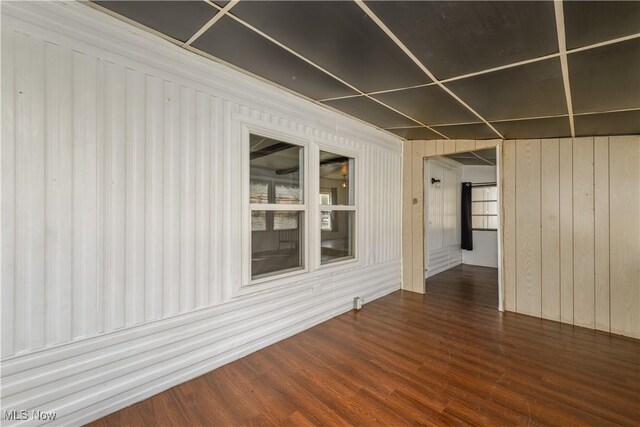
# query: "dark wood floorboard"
{"type": "Point", "coordinates": [444, 358]}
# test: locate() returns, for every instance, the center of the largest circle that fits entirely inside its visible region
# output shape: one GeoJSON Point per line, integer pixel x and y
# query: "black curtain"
{"type": "Point", "coordinates": [467, 227]}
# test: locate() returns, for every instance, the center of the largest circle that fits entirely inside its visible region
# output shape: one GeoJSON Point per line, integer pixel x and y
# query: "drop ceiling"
{"type": "Point", "coordinates": [429, 69]}
{"type": "Point", "coordinates": [475, 158]}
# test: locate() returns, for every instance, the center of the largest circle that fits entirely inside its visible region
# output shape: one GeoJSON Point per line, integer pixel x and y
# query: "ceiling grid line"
{"type": "Point", "coordinates": [419, 63]}
{"type": "Point", "coordinates": [564, 64]}
{"type": "Point", "coordinates": [565, 29]}
{"type": "Point", "coordinates": [212, 21]}
{"type": "Point", "coordinates": [308, 61]}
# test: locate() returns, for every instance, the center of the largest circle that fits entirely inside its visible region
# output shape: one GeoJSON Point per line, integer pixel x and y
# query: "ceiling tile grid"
{"type": "Point", "coordinates": [428, 69]}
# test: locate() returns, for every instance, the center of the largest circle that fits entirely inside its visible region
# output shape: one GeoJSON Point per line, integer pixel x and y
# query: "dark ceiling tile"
{"type": "Point", "coordinates": [531, 90]}
{"type": "Point", "coordinates": [606, 78]}
{"type": "Point", "coordinates": [470, 161]}
{"type": "Point", "coordinates": [338, 36]}
{"type": "Point", "coordinates": [177, 19]}
{"type": "Point", "coordinates": [458, 37]}
{"type": "Point", "coordinates": [468, 131]}
{"type": "Point", "coordinates": [590, 22]}
{"type": "Point", "coordinates": [429, 104]}
{"type": "Point", "coordinates": [415, 133]}
{"type": "Point", "coordinates": [554, 127]}
{"type": "Point", "coordinates": [370, 111]}
{"type": "Point", "coordinates": [244, 48]}
{"type": "Point", "coordinates": [620, 123]}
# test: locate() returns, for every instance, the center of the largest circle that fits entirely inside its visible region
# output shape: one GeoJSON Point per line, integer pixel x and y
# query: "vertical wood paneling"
{"type": "Point", "coordinates": [601, 226]}
{"type": "Point", "coordinates": [583, 233]}
{"type": "Point", "coordinates": [202, 201]}
{"type": "Point", "coordinates": [154, 199]}
{"type": "Point", "coordinates": [59, 215]}
{"type": "Point", "coordinates": [187, 199]}
{"type": "Point", "coordinates": [216, 207]}
{"type": "Point", "coordinates": [417, 215]}
{"type": "Point", "coordinates": [624, 194]}
{"type": "Point", "coordinates": [509, 223]}
{"type": "Point", "coordinates": [528, 238]}
{"type": "Point", "coordinates": [115, 188]}
{"type": "Point", "coordinates": [7, 195]}
{"type": "Point", "coordinates": [85, 102]}
{"type": "Point", "coordinates": [120, 195]}
{"type": "Point", "coordinates": [465, 145]}
{"type": "Point", "coordinates": [448, 146]}
{"type": "Point", "coordinates": [171, 207]}
{"type": "Point", "coordinates": [566, 230]}
{"type": "Point", "coordinates": [550, 199]}
{"type": "Point", "coordinates": [30, 155]}
{"type": "Point", "coordinates": [135, 198]}
{"type": "Point", "coordinates": [407, 208]}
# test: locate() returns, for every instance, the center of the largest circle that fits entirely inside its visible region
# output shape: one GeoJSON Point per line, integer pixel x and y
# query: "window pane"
{"type": "Point", "coordinates": [492, 193]}
{"type": "Point", "coordinates": [337, 243]}
{"type": "Point", "coordinates": [276, 171]}
{"type": "Point", "coordinates": [258, 221]}
{"type": "Point", "coordinates": [491, 208]}
{"type": "Point", "coordinates": [477, 193]}
{"type": "Point", "coordinates": [337, 178]}
{"type": "Point", "coordinates": [285, 220]}
{"type": "Point", "coordinates": [477, 208]}
{"type": "Point", "coordinates": [477, 222]}
{"type": "Point", "coordinates": [492, 222]}
{"type": "Point", "coordinates": [279, 250]}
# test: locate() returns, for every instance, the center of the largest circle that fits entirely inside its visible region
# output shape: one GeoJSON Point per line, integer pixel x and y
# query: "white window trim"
{"type": "Point", "coordinates": [248, 284]}
{"type": "Point", "coordinates": [317, 238]}
{"type": "Point", "coordinates": [311, 208]}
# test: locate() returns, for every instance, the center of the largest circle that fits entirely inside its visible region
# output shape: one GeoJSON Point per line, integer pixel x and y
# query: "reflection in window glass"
{"type": "Point", "coordinates": [337, 244]}
{"type": "Point", "coordinates": [276, 171]}
{"type": "Point", "coordinates": [279, 250]}
{"type": "Point", "coordinates": [337, 178]}
{"type": "Point", "coordinates": [258, 221]}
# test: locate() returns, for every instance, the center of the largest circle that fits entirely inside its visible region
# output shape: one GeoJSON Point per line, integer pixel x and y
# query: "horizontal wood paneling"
{"type": "Point", "coordinates": [125, 182]}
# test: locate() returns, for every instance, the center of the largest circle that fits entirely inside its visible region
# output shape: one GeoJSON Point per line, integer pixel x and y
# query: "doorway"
{"type": "Point", "coordinates": [461, 217]}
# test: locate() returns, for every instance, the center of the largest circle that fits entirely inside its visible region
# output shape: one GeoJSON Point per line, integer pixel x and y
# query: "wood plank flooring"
{"type": "Point", "coordinates": [444, 358]}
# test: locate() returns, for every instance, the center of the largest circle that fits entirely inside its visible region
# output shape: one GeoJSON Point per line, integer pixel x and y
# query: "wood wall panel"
{"type": "Point", "coordinates": [407, 215]}
{"type": "Point", "coordinates": [417, 214]}
{"type": "Point", "coordinates": [601, 226]}
{"type": "Point", "coordinates": [566, 230]}
{"type": "Point", "coordinates": [624, 185]}
{"type": "Point", "coordinates": [550, 210]}
{"type": "Point", "coordinates": [509, 221]}
{"type": "Point", "coordinates": [528, 226]}
{"type": "Point", "coordinates": [583, 233]}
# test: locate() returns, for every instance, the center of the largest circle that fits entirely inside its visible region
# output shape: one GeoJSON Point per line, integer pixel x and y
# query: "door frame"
{"type": "Point", "coordinates": [414, 232]}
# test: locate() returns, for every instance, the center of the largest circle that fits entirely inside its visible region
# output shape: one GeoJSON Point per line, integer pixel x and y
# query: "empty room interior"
{"type": "Point", "coordinates": [331, 213]}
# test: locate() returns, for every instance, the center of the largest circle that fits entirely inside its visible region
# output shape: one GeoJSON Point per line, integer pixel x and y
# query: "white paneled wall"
{"type": "Point", "coordinates": [121, 248]}
{"type": "Point", "coordinates": [442, 216]}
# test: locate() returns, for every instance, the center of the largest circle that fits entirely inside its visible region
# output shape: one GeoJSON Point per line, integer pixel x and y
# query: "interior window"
{"type": "Point", "coordinates": [337, 207]}
{"type": "Point", "coordinates": [277, 206]}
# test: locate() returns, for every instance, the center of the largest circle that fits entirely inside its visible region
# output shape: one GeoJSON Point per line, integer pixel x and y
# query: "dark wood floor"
{"type": "Point", "coordinates": [447, 357]}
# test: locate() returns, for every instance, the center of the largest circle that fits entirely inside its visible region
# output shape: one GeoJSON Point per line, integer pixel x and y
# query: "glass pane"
{"type": "Point", "coordinates": [477, 193]}
{"type": "Point", "coordinates": [491, 208]}
{"type": "Point", "coordinates": [492, 193]}
{"type": "Point", "coordinates": [325, 221]}
{"type": "Point", "coordinates": [477, 221]}
{"type": "Point", "coordinates": [477, 208]}
{"type": "Point", "coordinates": [492, 222]}
{"type": "Point", "coordinates": [337, 178]}
{"type": "Point", "coordinates": [276, 171]}
{"type": "Point", "coordinates": [276, 251]}
{"type": "Point", "coordinates": [285, 220]}
{"type": "Point", "coordinates": [337, 242]}
{"type": "Point", "coordinates": [258, 221]}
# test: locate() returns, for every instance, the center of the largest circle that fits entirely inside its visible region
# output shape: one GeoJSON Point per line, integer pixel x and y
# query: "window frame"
{"type": "Point", "coordinates": [247, 282]}
{"type": "Point", "coordinates": [319, 146]}
{"type": "Point", "coordinates": [484, 201]}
